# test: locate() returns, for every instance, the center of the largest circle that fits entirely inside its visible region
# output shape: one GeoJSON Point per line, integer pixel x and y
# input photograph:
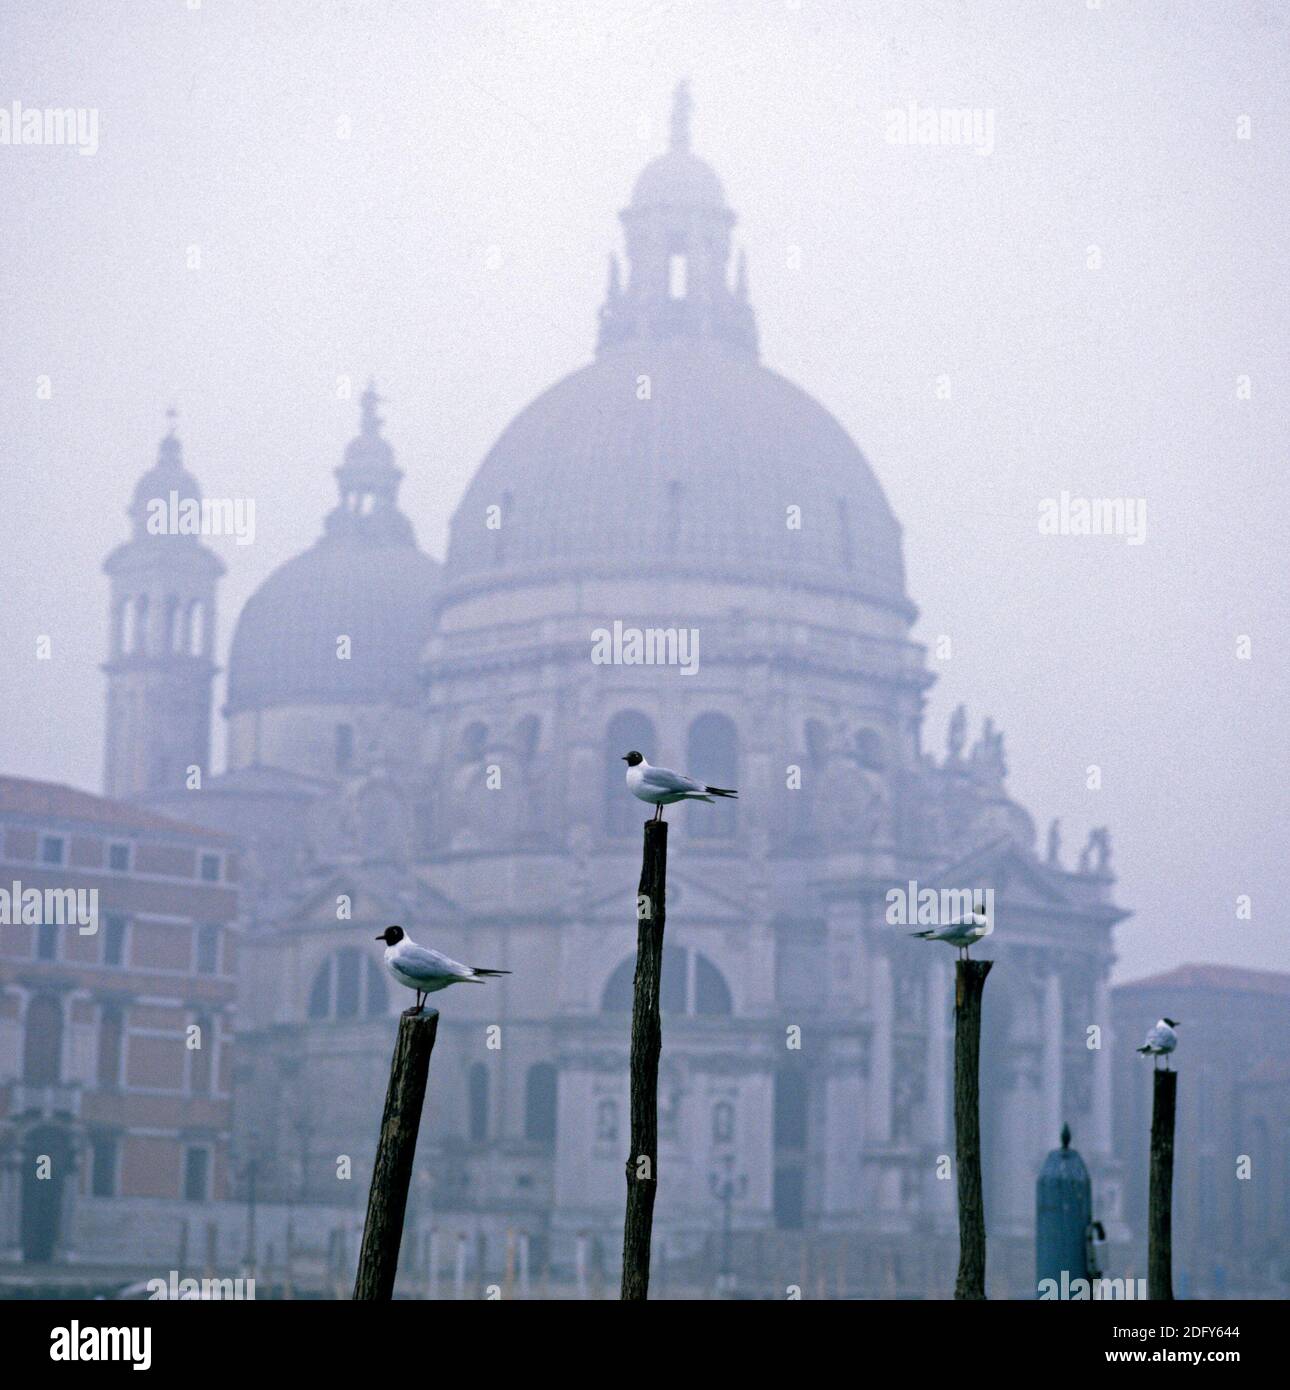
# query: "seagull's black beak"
{"type": "Point", "coordinates": [381, 937]}
{"type": "Point", "coordinates": [623, 759]}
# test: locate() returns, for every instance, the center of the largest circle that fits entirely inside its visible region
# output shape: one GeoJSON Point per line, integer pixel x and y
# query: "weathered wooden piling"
{"type": "Point", "coordinates": [378, 1260]}
{"type": "Point", "coordinates": [647, 1044]}
{"type": "Point", "coordinates": [1160, 1197]}
{"type": "Point", "coordinates": [969, 986]}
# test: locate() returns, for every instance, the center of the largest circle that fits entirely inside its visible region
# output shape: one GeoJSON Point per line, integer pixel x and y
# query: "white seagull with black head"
{"type": "Point", "coordinates": [424, 970]}
{"type": "Point", "coordinates": [660, 786]}
{"type": "Point", "coordinates": [963, 935]}
{"type": "Point", "coordinates": [1161, 1040]}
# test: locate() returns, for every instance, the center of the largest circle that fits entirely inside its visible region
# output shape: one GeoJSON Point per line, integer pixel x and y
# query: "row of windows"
{"type": "Point", "coordinates": [540, 1095]}
{"type": "Point", "coordinates": [112, 933]}
{"type": "Point", "coordinates": [53, 851]}
{"type": "Point", "coordinates": [183, 631]}
{"type": "Point", "coordinates": [350, 985]}
{"type": "Point", "coordinates": [539, 1103]}
{"type": "Point", "coordinates": [42, 1052]}
{"type": "Point", "coordinates": [105, 1160]}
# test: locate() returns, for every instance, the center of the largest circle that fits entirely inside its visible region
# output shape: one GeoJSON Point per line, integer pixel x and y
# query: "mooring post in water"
{"type": "Point", "coordinates": [1160, 1197]}
{"type": "Point", "coordinates": [378, 1260]}
{"type": "Point", "coordinates": [969, 985]}
{"type": "Point", "coordinates": [647, 1044]}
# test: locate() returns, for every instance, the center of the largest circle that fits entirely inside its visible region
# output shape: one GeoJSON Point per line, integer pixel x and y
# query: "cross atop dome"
{"type": "Point", "coordinates": [371, 421]}
{"type": "Point", "coordinates": [682, 105]}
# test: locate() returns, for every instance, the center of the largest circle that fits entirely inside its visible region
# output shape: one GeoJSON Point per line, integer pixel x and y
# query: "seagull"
{"type": "Point", "coordinates": [424, 970]}
{"type": "Point", "coordinates": [660, 786]}
{"type": "Point", "coordinates": [1161, 1040]}
{"type": "Point", "coordinates": [961, 934]}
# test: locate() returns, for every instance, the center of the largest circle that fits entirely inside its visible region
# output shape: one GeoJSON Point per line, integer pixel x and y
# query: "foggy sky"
{"type": "Point", "coordinates": [455, 244]}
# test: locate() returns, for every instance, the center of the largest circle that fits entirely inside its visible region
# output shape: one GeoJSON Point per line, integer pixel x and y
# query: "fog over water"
{"type": "Point", "coordinates": [428, 194]}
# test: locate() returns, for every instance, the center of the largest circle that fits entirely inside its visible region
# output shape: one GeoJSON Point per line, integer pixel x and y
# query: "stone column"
{"type": "Point", "coordinates": [939, 1137]}
{"type": "Point", "coordinates": [880, 1012]}
{"type": "Point", "coordinates": [11, 1199]}
{"type": "Point", "coordinates": [1100, 1139]}
{"type": "Point", "coordinates": [1053, 1025]}
{"type": "Point", "coordinates": [844, 1134]}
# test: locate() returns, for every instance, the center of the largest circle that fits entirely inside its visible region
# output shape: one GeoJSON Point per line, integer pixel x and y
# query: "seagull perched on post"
{"type": "Point", "coordinates": [424, 970]}
{"type": "Point", "coordinates": [660, 786]}
{"type": "Point", "coordinates": [1161, 1040]}
{"type": "Point", "coordinates": [964, 934]}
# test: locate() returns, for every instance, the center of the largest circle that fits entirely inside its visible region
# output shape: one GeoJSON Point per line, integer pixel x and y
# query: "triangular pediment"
{"type": "Point", "coordinates": [688, 893]}
{"type": "Point", "coordinates": [1014, 875]}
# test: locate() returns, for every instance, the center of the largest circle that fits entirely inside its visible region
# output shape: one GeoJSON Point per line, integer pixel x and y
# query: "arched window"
{"type": "Point", "coordinates": [42, 1053]}
{"type": "Point", "coordinates": [711, 993]}
{"type": "Point", "coordinates": [791, 1107]}
{"type": "Point", "coordinates": [196, 627]}
{"type": "Point", "coordinates": [474, 738]}
{"type": "Point", "coordinates": [477, 1100]}
{"type": "Point", "coordinates": [348, 985]}
{"type": "Point", "coordinates": [723, 1122]}
{"type": "Point", "coordinates": [344, 746]}
{"type": "Point", "coordinates": [139, 636]}
{"type": "Point", "coordinates": [540, 1104]}
{"type": "Point", "coordinates": [172, 634]}
{"type": "Point", "coordinates": [817, 742]}
{"type": "Point", "coordinates": [712, 755]}
{"type": "Point", "coordinates": [691, 984]}
{"type": "Point", "coordinates": [628, 730]}
{"type": "Point", "coordinates": [869, 751]}
{"type": "Point", "coordinates": [607, 1120]}
{"type": "Point", "coordinates": [527, 732]}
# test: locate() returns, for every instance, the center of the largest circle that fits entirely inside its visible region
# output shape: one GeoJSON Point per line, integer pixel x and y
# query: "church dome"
{"type": "Point", "coordinates": [153, 490]}
{"type": "Point", "coordinates": [675, 179]}
{"type": "Point", "coordinates": [364, 579]}
{"type": "Point", "coordinates": [699, 479]}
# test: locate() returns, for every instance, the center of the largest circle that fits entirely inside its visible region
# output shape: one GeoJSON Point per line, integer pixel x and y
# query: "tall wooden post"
{"type": "Point", "coordinates": [969, 985]}
{"type": "Point", "coordinates": [647, 1043]}
{"type": "Point", "coordinates": [1160, 1200]}
{"type": "Point", "coordinates": [378, 1260]}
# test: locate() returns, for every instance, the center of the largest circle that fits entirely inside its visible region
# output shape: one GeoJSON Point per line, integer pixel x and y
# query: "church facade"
{"type": "Point", "coordinates": [439, 745]}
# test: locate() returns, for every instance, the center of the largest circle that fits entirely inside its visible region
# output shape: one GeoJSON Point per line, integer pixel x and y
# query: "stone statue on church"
{"type": "Point", "coordinates": [987, 753]}
{"type": "Point", "coordinates": [1054, 844]}
{"type": "Point", "coordinates": [957, 734]}
{"type": "Point", "coordinates": [1095, 857]}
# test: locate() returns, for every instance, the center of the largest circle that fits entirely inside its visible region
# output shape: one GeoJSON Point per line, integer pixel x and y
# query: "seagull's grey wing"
{"type": "Point", "coordinates": [663, 779]}
{"type": "Point", "coordinates": [421, 963]}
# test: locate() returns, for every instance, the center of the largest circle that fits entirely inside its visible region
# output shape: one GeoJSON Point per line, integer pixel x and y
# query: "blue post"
{"type": "Point", "coordinates": [1063, 1223]}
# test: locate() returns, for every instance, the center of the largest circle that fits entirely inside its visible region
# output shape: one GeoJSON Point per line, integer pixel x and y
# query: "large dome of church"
{"type": "Point", "coordinates": [675, 450]}
{"type": "Point", "coordinates": [364, 579]}
{"type": "Point", "coordinates": [699, 479]}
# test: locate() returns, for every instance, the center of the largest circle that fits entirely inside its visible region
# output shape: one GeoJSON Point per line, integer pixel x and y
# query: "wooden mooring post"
{"type": "Point", "coordinates": [387, 1200]}
{"type": "Point", "coordinates": [647, 1044]}
{"type": "Point", "coordinates": [969, 985]}
{"type": "Point", "coordinates": [1160, 1197]}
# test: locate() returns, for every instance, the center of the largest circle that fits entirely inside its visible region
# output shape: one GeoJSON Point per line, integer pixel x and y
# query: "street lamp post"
{"type": "Point", "coordinates": [726, 1186]}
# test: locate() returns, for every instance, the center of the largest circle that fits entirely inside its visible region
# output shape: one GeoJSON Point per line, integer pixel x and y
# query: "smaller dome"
{"type": "Point", "coordinates": [165, 476]}
{"type": "Point", "coordinates": [378, 595]}
{"type": "Point", "coordinates": [678, 179]}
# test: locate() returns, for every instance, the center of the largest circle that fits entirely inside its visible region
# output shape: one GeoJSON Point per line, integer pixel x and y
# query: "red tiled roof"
{"type": "Point", "coordinates": [1218, 977]}
{"type": "Point", "coordinates": [56, 801]}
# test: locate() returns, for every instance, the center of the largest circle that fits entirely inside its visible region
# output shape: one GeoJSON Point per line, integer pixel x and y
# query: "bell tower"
{"type": "Point", "coordinates": [160, 667]}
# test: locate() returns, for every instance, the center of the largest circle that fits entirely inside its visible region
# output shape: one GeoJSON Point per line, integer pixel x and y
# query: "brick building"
{"type": "Point", "coordinates": [115, 1021]}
